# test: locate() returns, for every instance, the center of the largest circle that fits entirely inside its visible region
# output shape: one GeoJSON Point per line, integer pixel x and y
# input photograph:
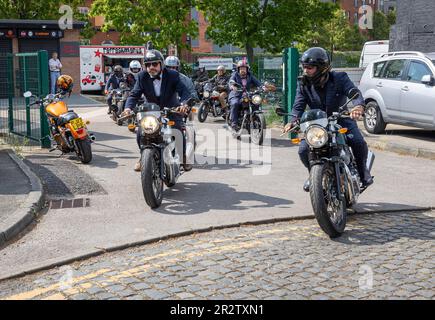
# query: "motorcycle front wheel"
{"type": "Point", "coordinates": [202, 112]}
{"type": "Point", "coordinates": [330, 212]}
{"type": "Point", "coordinates": [257, 129]}
{"type": "Point", "coordinates": [152, 184]}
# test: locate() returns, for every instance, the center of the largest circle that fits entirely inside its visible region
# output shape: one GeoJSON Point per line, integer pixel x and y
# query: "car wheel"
{"type": "Point", "coordinates": [373, 120]}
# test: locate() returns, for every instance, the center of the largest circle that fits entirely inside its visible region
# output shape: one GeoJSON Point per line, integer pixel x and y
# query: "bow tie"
{"type": "Point", "coordinates": [158, 77]}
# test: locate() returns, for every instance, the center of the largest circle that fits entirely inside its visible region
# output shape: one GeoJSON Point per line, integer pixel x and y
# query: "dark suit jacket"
{"type": "Point", "coordinates": [113, 82]}
{"type": "Point", "coordinates": [171, 85]}
{"type": "Point", "coordinates": [337, 89]}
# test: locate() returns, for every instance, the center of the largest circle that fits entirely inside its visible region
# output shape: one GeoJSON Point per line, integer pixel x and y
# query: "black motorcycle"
{"type": "Point", "coordinates": [199, 87]}
{"type": "Point", "coordinates": [119, 97]}
{"type": "Point", "coordinates": [160, 161]}
{"type": "Point", "coordinates": [251, 116]}
{"type": "Point", "coordinates": [210, 103]}
{"type": "Point", "coordinates": [335, 184]}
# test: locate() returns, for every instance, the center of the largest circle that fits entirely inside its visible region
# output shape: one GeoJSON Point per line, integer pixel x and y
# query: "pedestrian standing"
{"type": "Point", "coordinates": [55, 66]}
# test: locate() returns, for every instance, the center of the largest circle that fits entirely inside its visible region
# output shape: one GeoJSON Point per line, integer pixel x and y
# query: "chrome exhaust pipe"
{"type": "Point", "coordinates": [370, 160]}
{"type": "Point", "coordinates": [92, 137]}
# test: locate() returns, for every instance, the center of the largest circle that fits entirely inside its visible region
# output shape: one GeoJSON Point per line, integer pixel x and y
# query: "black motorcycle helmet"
{"type": "Point", "coordinates": [118, 70]}
{"type": "Point", "coordinates": [316, 57]}
{"type": "Point", "coordinates": [153, 56]}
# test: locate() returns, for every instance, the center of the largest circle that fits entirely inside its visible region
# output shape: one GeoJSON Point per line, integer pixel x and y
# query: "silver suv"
{"type": "Point", "coordinates": [399, 87]}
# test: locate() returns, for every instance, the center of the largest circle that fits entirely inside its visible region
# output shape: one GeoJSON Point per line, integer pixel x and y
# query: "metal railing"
{"type": "Point", "coordinates": [25, 72]}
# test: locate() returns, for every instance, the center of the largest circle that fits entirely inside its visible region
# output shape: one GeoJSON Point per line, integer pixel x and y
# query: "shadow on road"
{"type": "Point", "coordinates": [213, 163]}
{"type": "Point", "coordinates": [196, 198]}
{"type": "Point", "coordinates": [426, 135]}
{"type": "Point", "coordinates": [102, 136]}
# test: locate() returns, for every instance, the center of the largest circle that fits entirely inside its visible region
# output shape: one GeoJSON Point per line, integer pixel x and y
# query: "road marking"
{"type": "Point", "coordinates": [166, 257]}
{"type": "Point", "coordinates": [38, 291]}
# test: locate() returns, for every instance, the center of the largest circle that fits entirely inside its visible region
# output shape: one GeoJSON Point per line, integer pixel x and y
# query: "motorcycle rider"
{"type": "Point", "coordinates": [200, 75]}
{"type": "Point", "coordinates": [163, 87]}
{"type": "Point", "coordinates": [245, 80]}
{"type": "Point", "coordinates": [172, 62]}
{"type": "Point", "coordinates": [321, 88]}
{"type": "Point", "coordinates": [134, 67]}
{"type": "Point", "coordinates": [220, 80]}
{"type": "Point", "coordinates": [113, 83]}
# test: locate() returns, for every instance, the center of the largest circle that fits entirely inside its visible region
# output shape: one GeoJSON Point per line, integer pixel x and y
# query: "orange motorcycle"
{"type": "Point", "coordinates": [67, 130]}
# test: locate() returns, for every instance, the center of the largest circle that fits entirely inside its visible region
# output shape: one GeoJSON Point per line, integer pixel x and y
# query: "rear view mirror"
{"type": "Point", "coordinates": [280, 111]}
{"type": "Point", "coordinates": [190, 102]}
{"type": "Point", "coordinates": [27, 94]}
{"type": "Point", "coordinates": [428, 79]}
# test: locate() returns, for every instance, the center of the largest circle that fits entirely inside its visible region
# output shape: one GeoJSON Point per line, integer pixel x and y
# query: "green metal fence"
{"type": "Point", "coordinates": [26, 72]}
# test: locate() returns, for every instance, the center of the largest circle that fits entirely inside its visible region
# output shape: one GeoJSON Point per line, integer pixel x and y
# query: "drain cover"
{"type": "Point", "coordinates": [70, 203]}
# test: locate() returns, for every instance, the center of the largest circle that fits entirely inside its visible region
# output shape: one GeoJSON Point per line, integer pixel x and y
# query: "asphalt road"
{"type": "Point", "coordinates": [100, 206]}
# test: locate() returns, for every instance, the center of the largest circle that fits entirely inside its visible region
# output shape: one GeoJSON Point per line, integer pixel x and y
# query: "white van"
{"type": "Point", "coordinates": [372, 50]}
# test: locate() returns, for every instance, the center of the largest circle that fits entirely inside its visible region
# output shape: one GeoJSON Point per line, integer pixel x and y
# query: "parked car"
{"type": "Point", "coordinates": [399, 88]}
{"type": "Point", "coordinates": [372, 50]}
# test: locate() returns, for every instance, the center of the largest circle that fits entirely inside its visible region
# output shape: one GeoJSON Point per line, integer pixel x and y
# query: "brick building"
{"type": "Point", "coordinates": [33, 35]}
{"type": "Point", "coordinates": [415, 28]}
{"type": "Point", "coordinates": [354, 8]}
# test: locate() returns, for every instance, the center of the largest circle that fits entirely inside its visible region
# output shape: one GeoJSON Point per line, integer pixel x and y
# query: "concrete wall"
{"type": "Point", "coordinates": [415, 26]}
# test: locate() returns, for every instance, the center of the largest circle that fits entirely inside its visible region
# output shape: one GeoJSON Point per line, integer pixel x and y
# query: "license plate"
{"type": "Point", "coordinates": [77, 123]}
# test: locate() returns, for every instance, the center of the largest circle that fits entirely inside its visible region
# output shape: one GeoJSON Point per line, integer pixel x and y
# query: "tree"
{"type": "Point", "coordinates": [391, 17]}
{"type": "Point", "coordinates": [268, 24]}
{"type": "Point", "coordinates": [42, 10]}
{"type": "Point", "coordinates": [353, 39]}
{"type": "Point", "coordinates": [329, 35]}
{"type": "Point", "coordinates": [162, 21]}
{"type": "Point", "coordinates": [381, 27]}
{"type": "Point", "coordinates": [334, 35]}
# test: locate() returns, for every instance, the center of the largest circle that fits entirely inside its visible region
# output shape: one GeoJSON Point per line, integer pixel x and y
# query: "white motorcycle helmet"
{"type": "Point", "coordinates": [172, 62]}
{"type": "Point", "coordinates": [135, 67]}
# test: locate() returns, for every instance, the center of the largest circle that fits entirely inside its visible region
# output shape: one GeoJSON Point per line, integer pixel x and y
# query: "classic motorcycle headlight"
{"type": "Point", "coordinates": [206, 94]}
{"type": "Point", "coordinates": [257, 99]}
{"type": "Point", "coordinates": [316, 136]}
{"type": "Point", "coordinates": [149, 124]}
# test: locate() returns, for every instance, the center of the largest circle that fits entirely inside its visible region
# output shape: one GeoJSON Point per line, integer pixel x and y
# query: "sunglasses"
{"type": "Point", "coordinates": [154, 64]}
{"type": "Point", "coordinates": [308, 67]}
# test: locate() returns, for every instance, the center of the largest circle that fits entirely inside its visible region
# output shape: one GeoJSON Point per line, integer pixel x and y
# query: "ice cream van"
{"type": "Point", "coordinates": [97, 62]}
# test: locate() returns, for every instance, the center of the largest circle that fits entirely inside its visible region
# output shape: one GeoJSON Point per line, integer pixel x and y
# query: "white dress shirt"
{"type": "Point", "coordinates": [157, 85]}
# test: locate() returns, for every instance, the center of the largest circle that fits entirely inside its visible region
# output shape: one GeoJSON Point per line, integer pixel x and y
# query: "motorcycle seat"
{"type": "Point", "coordinates": [66, 117]}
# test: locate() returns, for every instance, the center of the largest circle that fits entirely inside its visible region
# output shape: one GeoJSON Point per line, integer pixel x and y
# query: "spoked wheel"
{"type": "Point", "coordinates": [329, 211]}
{"type": "Point", "coordinates": [118, 113]}
{"type": "Point", "coordinates": [202, 112]}
{"type": "Point", "coordinates": [152, 184]}
{"type": "Point", "coordinates": [258, 127]}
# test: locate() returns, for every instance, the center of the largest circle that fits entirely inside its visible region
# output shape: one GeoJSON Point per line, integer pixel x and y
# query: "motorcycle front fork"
{"type": "Point", "coordinates": [340, 194]}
